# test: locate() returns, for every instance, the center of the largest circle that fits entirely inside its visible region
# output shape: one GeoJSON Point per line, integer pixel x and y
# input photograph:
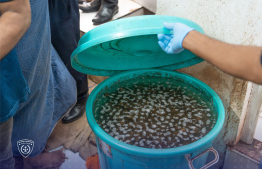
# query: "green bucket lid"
{"type": "Point", "coordinates": [129, 44]}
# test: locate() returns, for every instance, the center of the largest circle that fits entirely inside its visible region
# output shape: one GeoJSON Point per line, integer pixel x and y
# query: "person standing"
{"type": "Point", "coordinates": [15, 19]}
{"type": "Point", "coordinates": [49, 99]}
{"type": "Point", "coordinates": [65, 34]}
{"type": "Point", "coordinates": [33, 115]}
{"type": "Point", "coordinates": [106, 10]}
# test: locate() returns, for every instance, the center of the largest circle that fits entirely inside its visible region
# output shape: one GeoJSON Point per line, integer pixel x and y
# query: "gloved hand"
{"type": "Point", "coordinates": [173, 43]}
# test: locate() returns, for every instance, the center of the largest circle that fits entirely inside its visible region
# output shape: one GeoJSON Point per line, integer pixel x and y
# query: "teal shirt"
{"type": "Point", "coordinates": [13, 87]}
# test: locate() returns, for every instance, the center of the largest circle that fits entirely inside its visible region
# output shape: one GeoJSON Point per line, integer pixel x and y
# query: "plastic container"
{"type": "Point", "coordinates": [131, 44]}
{"type": "Point", "coordinates": [114, 154]}
{"type": "Point", "coordinates": [128, 44]}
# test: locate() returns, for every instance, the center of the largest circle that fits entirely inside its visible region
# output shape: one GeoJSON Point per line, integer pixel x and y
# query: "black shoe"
{"type": "Point", "coordinates": [104, 15]}
{"type": "Point", "coordinates": [77, 111]}
{"type": "Point", "coordinates": [90, 6]}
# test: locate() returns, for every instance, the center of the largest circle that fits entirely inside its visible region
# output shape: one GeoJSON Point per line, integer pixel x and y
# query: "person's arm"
{"type": "Point", "coordinates": [240, 61]}
{"type": "Point", "coordinates": [15, 19]}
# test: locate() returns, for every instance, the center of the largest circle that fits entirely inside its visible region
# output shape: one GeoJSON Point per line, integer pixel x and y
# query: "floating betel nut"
{"type": "Point", "coordinates": [157, 115]}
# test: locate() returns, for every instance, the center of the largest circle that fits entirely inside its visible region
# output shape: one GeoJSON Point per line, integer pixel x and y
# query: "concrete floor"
{"type": "Point", "coordinates": [77, 138]}
{"type": "Point", "coordinates": [125, 8]}
{"type": "Point", "coordinates": [73, 161]}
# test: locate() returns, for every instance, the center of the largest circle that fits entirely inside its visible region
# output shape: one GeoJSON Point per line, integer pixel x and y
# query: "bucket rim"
{"type": "Point", "coordinates": [148, 152]}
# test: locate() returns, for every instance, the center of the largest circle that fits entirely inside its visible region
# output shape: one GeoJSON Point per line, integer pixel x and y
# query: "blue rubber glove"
{"type": "Point", "coordinates": [173, 43]}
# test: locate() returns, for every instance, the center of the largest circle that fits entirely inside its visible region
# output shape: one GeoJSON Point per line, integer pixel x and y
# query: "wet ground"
{"type": "Point", "coordinates": [77, 138]}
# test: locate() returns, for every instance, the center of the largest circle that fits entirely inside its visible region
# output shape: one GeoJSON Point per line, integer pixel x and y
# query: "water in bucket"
{"type": "Point", "coordinates": [154, 113]}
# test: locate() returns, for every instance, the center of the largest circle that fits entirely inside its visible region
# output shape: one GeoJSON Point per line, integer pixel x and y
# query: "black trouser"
{"type": "Point", "coordinates": [110, 3]}
{"type": "Point", "coordinates": [65, 34]}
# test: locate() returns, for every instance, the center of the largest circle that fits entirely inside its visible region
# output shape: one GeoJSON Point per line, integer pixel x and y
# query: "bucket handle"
{"type": "Point", "coordinates": [190, 160]}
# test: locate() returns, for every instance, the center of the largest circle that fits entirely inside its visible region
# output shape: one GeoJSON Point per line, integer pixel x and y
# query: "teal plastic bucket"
{"type": "Point", "coordinates": [114, 154]}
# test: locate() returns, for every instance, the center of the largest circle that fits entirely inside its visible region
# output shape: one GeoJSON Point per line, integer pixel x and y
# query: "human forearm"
{"type": "Point", "coordinates": [240, 61]}
{"type": "Point", "coordinates": [14, 21]}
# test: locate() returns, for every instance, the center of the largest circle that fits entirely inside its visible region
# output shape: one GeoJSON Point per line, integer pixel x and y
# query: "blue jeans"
{"type": "Point", "coordinates": [6, 154]}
